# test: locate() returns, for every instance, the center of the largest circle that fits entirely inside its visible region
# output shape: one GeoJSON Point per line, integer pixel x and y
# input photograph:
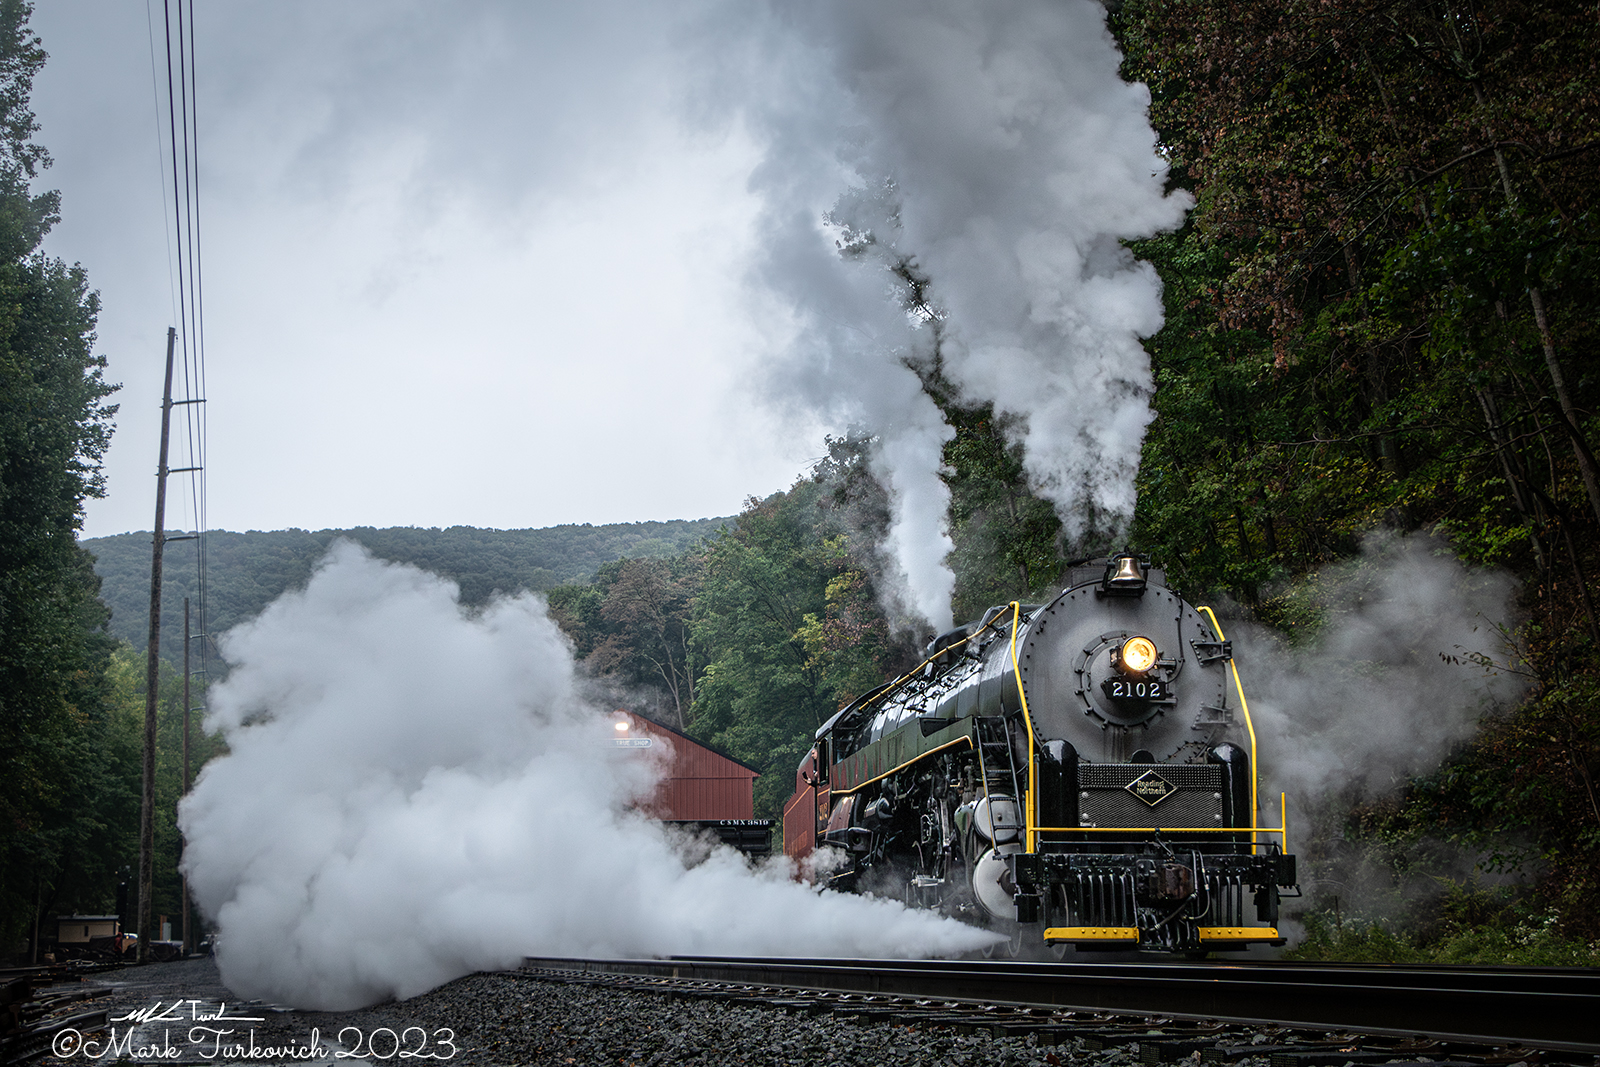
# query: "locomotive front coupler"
{"type": "Point", "coordinates": [1163, 882]}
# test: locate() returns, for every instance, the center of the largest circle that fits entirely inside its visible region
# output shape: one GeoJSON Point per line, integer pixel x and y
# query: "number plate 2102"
{"type": "Point", "coordinates": [1136, 689]}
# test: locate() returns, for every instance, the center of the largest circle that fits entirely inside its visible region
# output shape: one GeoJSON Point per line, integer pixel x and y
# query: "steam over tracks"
{"type": "Point", "coordinates": [1441, 1014]}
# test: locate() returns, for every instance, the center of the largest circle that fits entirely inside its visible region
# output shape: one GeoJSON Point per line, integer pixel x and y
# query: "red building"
{"type": "Point", "coordinates": [702, 786]}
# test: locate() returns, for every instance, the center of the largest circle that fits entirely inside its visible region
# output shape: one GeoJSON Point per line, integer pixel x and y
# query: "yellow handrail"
{"type": "Point", "coordinates": [1249, 725]}
{"type": "Point", "coordinates": [1158, 829]}
{"type": "Point", "coordinates": [1032, 798]}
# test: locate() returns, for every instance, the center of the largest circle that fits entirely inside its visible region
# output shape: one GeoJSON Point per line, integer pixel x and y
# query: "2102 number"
{"type": "Point", "coordinates": [1128, 689]}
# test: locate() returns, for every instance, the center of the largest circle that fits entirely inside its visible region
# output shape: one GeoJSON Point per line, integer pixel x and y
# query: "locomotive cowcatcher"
{"type": "Point", "coordinates": [1072, 774]}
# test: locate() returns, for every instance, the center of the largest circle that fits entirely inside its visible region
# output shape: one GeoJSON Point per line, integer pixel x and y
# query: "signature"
{"type": "Point", "coordinates": [175, 1014]}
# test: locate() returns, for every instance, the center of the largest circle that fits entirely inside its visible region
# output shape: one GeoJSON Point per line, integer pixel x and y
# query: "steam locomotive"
{"type": "Point", "coordinates": [1070, 774]}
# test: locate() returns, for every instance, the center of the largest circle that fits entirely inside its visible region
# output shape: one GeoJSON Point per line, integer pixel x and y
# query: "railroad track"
{"type": "Point", "coordinates": [36, 1003]}
{"type": "Point", "coordinates": [1436, 1013]}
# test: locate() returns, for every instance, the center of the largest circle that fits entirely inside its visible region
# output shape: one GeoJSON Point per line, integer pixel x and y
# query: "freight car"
{"type": "Point", "coordinates": [1075, 773]}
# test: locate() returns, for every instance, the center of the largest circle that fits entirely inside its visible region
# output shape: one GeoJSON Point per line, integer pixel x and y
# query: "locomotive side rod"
{"type": "Point", "coordinates": [1553, 1008]}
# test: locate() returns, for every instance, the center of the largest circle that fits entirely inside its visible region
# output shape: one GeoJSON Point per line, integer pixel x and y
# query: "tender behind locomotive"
{"type": "Point", "coordinates": [1075, 773]}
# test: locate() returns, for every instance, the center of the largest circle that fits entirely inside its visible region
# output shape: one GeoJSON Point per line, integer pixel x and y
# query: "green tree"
{"type": "Point", "coordinates": [55, 735]}
{"type": "Point", "coordinates": [644, 604]}
{"type": "Point", "coordinates": [1377, 309]}
{"type": "Point", "coordinates": [762, 696]}
{"type": "Point", "coordinates": [787, 619]}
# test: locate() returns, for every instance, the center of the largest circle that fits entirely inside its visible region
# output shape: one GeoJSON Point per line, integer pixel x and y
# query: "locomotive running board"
{"type": "Point", "coordinates": [1240, 934]}
{"type": "Point", "coordinates": [1094, 935]}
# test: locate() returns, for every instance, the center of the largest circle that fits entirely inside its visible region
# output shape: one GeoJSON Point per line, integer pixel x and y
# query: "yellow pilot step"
{"type": "Point", "coordinates": [1099, 935]}
{"type": "Point", "coordinates": [1266, 934]}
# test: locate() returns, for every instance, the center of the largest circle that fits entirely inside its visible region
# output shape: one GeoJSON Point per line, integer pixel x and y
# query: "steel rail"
{"type": "Point", "coordinates": [1552, 1008]}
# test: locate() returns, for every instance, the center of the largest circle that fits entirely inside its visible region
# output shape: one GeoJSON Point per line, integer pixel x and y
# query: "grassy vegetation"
{"type": "Point", "coordinates": [1482, 926]}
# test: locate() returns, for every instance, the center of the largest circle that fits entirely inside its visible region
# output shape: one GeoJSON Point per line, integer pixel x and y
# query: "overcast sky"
{"type": "Point", "coordinates": [516, 263]}
{"type": "Point", "coordinates": [468, 263]}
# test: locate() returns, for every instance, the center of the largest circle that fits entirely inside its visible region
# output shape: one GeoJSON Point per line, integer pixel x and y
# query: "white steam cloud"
{"type": "Point", "coordinates": [413, 792]}
{"type": "Point", "coordinates": [1014, 160]}
{"type": "Point", "coordinates": [1395, 679]}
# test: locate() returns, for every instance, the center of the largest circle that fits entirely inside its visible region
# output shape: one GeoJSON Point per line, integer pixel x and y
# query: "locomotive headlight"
{"type": "Point", "coordinates": [1138, 655]}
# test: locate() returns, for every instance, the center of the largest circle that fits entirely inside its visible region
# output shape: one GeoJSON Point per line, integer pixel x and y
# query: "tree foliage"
{"type": "Point", "coordinates": [58, 748]}
{"type": "Point", "coordinates": [1387, 196]}
{"type": "Point", "coordinates": [763, 693]}
{"type": "Point", "coordinates": [1382, 311]}
{"type": "Point", "coordinates": [753, 638]}
{"type": "Point", "coordinates": [631, 625]}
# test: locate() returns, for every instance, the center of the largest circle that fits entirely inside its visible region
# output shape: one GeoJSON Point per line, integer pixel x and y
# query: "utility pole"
{"type": "Point", "coordinates": [147, 804]}
{"type": "Point", "coordinates": [188, 937]}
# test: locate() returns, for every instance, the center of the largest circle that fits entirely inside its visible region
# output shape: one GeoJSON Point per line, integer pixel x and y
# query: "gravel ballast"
{"type": "Point", "coordinates": [504, 1019]}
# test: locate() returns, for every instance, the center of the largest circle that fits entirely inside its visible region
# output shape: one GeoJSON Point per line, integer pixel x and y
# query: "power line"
{"type": "Point", "coordinates": [185, 274]}
{"type": "Point", "coordinates": [183, 138]}
{"type": "Point", "coordinates": [194, 342]}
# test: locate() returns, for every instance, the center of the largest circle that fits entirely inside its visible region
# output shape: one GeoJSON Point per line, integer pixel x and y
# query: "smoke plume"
{"type": "Point", "coordinates": [413, 792]}
{"type": "Point", "coordinates": [1398, 675]}
{"type": "Point", "coordinates": [992, 152]}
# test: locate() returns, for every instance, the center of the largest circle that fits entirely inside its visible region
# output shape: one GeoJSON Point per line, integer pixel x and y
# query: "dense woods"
{"type": "Point", "coordinates": [1382, 312]}
{"type": "Point", "coordinates": [1381, 315]}
{"type": "Point", "coordinates": [62, 763]}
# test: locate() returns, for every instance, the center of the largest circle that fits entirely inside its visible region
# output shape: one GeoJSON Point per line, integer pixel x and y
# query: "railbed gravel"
{"type": "Point", "coordinates": [501, 1019]}
{"type": "Point", "coordinates": [527, 1021]}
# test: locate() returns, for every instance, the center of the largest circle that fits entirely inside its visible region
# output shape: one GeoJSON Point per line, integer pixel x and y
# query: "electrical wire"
{"type": "Point", "coordinates": [185, 263]}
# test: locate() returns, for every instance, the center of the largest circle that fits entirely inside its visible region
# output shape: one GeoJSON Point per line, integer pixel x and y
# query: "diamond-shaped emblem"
{"type": "Point", "coordinates": [1151, 788]}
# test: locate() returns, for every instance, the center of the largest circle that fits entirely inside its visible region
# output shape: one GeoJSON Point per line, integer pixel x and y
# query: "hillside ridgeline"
{"type": "Point", "coordinates": [247, 571]}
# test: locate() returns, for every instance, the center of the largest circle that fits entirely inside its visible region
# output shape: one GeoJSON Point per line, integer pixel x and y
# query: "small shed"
{"type": "Point", "coordinates": [81, 929]}
{"type": "Point", "coordinates": [703, 787]}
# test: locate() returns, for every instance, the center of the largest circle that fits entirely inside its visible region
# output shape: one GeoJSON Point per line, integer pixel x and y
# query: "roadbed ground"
{"type": "Point", "coordinates": [181, 1012]}
{"type": "Point", "coordinates": [168, 1013]}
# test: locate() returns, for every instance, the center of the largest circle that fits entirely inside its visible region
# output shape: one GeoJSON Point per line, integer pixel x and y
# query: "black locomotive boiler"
{"type": "Point", "coordinates": [1078, 773]}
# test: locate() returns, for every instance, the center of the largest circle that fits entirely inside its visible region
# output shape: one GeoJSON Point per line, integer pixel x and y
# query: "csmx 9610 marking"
{"type": "Point", "coordinates": [1074, 773]}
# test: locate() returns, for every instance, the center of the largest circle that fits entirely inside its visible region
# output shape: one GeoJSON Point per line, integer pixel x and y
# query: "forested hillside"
{"type": "Point", "coordinates": [247, 571]}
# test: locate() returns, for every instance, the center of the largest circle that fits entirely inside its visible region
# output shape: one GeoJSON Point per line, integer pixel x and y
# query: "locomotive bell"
{"type": "Point", "coordinates": [1124, 577]}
